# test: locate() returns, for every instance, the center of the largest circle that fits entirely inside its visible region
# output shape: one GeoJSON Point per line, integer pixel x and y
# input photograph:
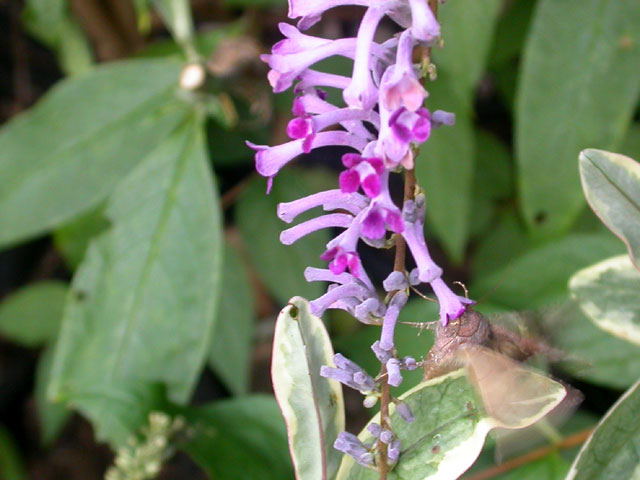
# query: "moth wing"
{"type": "Point", "coordinates": [513, 395]}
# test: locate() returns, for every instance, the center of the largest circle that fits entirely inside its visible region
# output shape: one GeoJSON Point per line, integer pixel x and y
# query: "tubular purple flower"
{"type": "Point", "coordinates": [440, 117]}
{"type": "Point", "coordinates": [269, 160]}
{"type": "Point", "coordinates": [395, 281]}
{"type": "Point", "coordinates": [424, 25]}
{"type": "Point", "coordinates": [413, 215]}
{"type": "Point", "coordinates": [320, 304]}
{"type": "Point", "coordinates": [293, 234]}
{"type": "Point", "coordinates": [393, 452]}
{"type": "Point", "coordinates": [396, 304]}
{"type": "Point", "coordinates": [393, 369]}
{"type": "Point", "coordinates": [361, 93]}
{"type": "Point", "coordinates": [400, 86]}
{"type": "Point", "coordinates": [349, 444]}
{"type": "Point", "coordinates": [381, 354]}
{"type": "Point", "coordinates": [451, 305]}
{"type": "Point", "coordinates": [370, 311]}
{"type": "Point", "coordinates": [349, 373]}
{"type": "Point", "coordinates": [329, 200]}
{"type": "Point", "coordinates": [404, 411]}
{"type": "Point", "coordinates": [312, 10]}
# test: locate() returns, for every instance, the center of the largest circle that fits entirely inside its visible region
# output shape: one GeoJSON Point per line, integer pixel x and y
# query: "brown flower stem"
{"type": "Point", "coordinates": [568, 442]}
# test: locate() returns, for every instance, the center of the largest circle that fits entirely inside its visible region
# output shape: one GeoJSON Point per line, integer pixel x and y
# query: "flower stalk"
{"type": "Point", "coordinates": [382, 123]}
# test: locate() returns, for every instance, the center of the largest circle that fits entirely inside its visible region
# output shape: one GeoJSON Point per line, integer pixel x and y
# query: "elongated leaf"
{"type": "Point", "coordinates": [612, 449]}
{"type": "Point", "coordinates": [241, 438]}
{"type": "Point", "coordinates": [467, 30]}
{"type": "Point", "coordinates": [52, 23]}
{"type": "Point", "coordinates": [231, 350]}
{"type": "Point", "coordinates": [73, 238]}
{"type": "Point", "coordinates": [280, 266]}
{"type": "Point", "coordinates": [66, 154]}
{"type": "Point", "coordinates": [592, 355]}
{"type": "Point", "coordinates": [312, 406]}
{"type": "Point", "coordinates": [32, 315]}
{"type": "Point", "coordinates": [611, 184]}
{"type": "Point", "coordinates": [540, 276]}
{"type": "Point", "coordinates": [609, 293]}
{"type": "Point", "coordinates": [142, 305]}
{"type": "Point", "coordinates": [52, 416]}
{"type": "Point", "coordinates": [177, 16]}
{"type": "Point", "coordinates": [578, 88]}
{"type": "Point", "coordinates": [444, 168]}
{"type": "Point", "coordinates": [446, 436]}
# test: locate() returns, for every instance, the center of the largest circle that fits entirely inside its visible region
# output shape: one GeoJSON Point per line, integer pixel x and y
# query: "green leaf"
{"type": "Point", "coordinates": [511, 32]}
{"type": "Point", "coordinates": [51, 22]}
{"type": "Point", "coordinates": [578, 88]}
{"type": "Point", "coordinates": [72, 239]}
{"type": "Point", "coordinates": [492, 180]}
{"type": "Point", "coordinates": [11, 467]}
{"type": "Point", "coordinates": [611, 184]}
{"type": "Point", "coordinates": [506, 241]}
{"type": "Point", "coordinates": [142, 306]}
{"type": "Point", "coordinates": [231, 350]}
{"type": "Point", "coordinates": [448, 431]}
{"type": "Point", "coordinates": [32, 315]}
{"type": "Point", "coordinates": [66, 154]}
{"type": "Point", "coordinates": [444, 168]}
{"type": "Point", "coordinates": [550, 467]}
{"type": "Point", "coordinates": [312, 406]}
{"type": "Point", "coordinates": [177, 16]}
{"type": "Point", "coordinates": [592, 355]}
{"type": "Point", "coordinates": [540, 276]}
{"type": "Point", "coordinates": [239, 439]}
{"type": "Point", "coordinates": [467, 30]}
{"type": "Point", "coordinates": [608, 292]}
{"type": "Point", "coordinates": [281, 267]}
{"type": "Point", "coordinates": [52, 416]}
{"type": "Point", "coordinates": [612, 450]}
{"type": "Point", "coordinates": [631, 143]}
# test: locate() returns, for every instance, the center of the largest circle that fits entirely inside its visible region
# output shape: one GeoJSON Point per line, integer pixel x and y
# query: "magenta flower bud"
{"type": "Point", "coordinates": [393, 369]}
{"type": "Point", "coordinates": [404, 411]}
{"type": "Point", "coordinates": [386, 436]}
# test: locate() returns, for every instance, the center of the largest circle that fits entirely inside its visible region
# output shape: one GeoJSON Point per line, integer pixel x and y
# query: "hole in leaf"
{"type": "Point", "coordinates": [540, 217]}
{"type": "Point", "coordinates": [294, 311]}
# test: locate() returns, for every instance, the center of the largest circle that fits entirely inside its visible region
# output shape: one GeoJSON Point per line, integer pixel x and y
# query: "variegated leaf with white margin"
{"type": "Point", "coordinates": [449, 430]}
{"type": "Point", "coordinates": [609, 293]}
{"type": "Point", "coordinates": [613, 449]}
{"type": "Point", "coordinates": [312, 406]}
{"type": "Point", "coordinates": [611, 183]}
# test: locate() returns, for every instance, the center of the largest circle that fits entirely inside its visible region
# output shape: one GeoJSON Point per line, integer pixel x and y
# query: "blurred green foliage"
{"type": "Point", "coordinates": [126, 170]}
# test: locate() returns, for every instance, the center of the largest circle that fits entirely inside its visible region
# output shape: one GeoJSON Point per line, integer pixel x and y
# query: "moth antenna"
{"type": "Point", "coordinates": [493, 290]}
{"type": "Point", "coordinates": [422, 295]}
{"type": "Point", "coordinates": [464, 287]}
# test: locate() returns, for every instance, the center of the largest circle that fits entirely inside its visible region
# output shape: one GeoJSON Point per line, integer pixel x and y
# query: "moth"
{"type": "Point", "coordinates": [513, 395]}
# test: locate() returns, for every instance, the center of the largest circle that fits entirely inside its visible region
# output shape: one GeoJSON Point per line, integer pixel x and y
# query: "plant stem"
{"type": "Point", "coordinates": [399, 265]}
